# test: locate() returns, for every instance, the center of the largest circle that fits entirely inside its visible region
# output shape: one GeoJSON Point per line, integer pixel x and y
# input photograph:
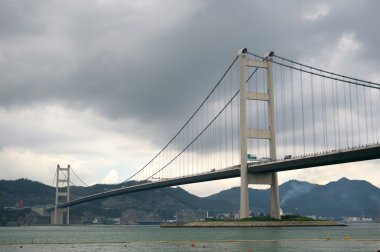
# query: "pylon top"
{"type": "Point", "coordinates": [269, 54]}
{"type": "Point", "coordinates": [242, 50]}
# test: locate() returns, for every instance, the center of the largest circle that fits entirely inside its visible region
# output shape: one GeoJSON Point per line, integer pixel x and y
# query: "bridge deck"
{"type": "Point", "coordinates": [323, 159]}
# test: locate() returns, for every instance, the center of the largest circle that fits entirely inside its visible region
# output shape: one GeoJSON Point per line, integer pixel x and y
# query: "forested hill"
{"type": "Point", "coordinates": [339, 198]}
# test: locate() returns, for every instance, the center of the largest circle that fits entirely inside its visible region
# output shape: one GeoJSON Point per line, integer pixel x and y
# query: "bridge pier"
{"type": "Point", "coordinates": [59, 216]}
{"type": "Point", "coordinates": [62, 190]}
{"type": "Point", "coordinates": [246, 133]}
{"type": "Point", "coordinates": [264, 179]}
{"type": "Point", "coordinates": [275, 197]}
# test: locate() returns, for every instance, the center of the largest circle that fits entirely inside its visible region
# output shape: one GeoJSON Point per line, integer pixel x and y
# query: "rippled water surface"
{"type": "Point", "coordinates": [357, 237]}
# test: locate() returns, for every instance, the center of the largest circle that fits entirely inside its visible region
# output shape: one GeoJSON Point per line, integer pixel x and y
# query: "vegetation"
{"type": "Point", "coordinates": [261, 218]}
{"type": "Point", "coordinates": [267, 218]}
{"type": "Point", "coordinates": [340, 198]}
{"type": "Point", "coordinates": [295, 218]}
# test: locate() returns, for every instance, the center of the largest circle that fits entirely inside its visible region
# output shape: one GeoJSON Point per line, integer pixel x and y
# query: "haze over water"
{"type": "Point", "coordinates": [356, 237]}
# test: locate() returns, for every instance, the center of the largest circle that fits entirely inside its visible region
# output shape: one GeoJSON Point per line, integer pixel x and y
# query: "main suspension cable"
{"type": "Point", "coordinates": [187, 122]}
{"type": "Point", "coordinates": [354, 80]}
{"type": "Point", "coordinates": [190, 144]}
{"type": "Point", "coordinates": [78, 177]}
{"type": "Point", "coordinates": [200, 133]}
{"type": "Point", "coordinates": [327, 72]}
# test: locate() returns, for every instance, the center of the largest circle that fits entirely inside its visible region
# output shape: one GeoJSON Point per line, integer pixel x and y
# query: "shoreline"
{"type": "Point", "coordinates": [201, 224]}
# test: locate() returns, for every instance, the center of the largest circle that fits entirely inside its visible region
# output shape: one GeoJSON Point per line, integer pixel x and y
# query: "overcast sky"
{"type": "Point", "coordinates": [103, 85]}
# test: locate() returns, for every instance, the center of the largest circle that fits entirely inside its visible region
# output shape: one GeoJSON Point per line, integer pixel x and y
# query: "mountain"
{"type": "Point", "coordinates": [32, 193]}
{"type": "Point", "coordinates": [339, 198]}
{"type": "Point", "coordinates": [153, 205]}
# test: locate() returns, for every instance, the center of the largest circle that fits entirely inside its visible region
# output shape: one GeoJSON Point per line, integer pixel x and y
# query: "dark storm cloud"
{"type": "Point", "coordinates": [127, 62]}
{"type": "Point", "coordinates": [18, 18]}
{"type": "Point", "coordinates": [103, 85]}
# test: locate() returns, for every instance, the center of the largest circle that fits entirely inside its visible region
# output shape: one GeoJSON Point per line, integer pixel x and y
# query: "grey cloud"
{"type": "Point", "coordinates": [20, 18]}
{"type": "Point", "coordinates": [120, 64]}
{"type": "Point", "coordinates": [149, 63]}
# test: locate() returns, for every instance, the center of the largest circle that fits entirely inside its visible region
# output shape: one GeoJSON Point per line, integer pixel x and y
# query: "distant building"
{"type": "Point", "coordinates": [357, 220]}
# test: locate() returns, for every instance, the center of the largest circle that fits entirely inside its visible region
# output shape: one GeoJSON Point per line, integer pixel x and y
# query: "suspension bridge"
{"type": "Point", "coordinates": [265, 115]}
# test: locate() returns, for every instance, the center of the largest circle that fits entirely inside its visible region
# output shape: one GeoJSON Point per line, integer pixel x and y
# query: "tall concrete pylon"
{"type": "Point", "coordinates": [246, 133]}
{"type": "Point", "coordinates": [61, 216]}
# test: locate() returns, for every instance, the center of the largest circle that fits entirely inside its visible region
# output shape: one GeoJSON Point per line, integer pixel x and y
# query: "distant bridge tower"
{"type": "Point", "coordinates": [62, 190]}
{"type": "Point", "coordinates": [246, 133]}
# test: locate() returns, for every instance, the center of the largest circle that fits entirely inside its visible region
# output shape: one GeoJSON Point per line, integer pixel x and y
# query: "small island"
{"type": "Point", "coordinates": [286, 221]}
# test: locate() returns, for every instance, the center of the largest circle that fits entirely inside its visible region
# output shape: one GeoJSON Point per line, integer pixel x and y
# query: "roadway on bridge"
{"type": "Point", "coordinates": [322, 159]}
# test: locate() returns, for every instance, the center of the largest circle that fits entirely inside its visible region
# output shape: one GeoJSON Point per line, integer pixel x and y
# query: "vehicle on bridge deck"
{"type": "Point", "coordinates": [265, 160]}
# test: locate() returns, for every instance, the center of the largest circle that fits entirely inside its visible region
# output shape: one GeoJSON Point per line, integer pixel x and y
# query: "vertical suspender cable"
{"type": "Point", "coordinates": [365, 114]}
{"type": "Point", "coordinates": [284, 139]}
{"type": "Point", "coordinates": [293, 116]}
{"type": "Point", "coordinates": [358, 113]}
{"type": "Point", "coordinates": [237, 109]}
{"type": "Point", "coordinates": [337, 111]}
{"type": "Point", "coordinates": [225, 128]}
{"type": "Point", "coordinates": [377, 130]}
{"type": "Point", "coordinates": [232, 121]}
{"type": "Point", "coordinates": [370, 106]}
{"type": "Point", "coordinates": [312, 111]}
{"type": "Point", "coordinates": [219, 122]}
{"type": "Point", "coordinates": [352, 120]}
{"type": "Point", "coordinates": [275, 81]}
{"type": "Point", "coordinates": [345, 114]}
{"type": "Point", "coordinates": [323, 95]}
{"type": "Point", "coordinates": [198, 144]}
{"type": "Point", "coordinates": [208, 139]}
{"type": "Point", "coordinates": [302, 116]}
{"type": "Point", "coordinates": [334, 117]}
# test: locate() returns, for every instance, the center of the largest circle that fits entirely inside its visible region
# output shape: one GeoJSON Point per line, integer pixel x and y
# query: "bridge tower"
{"type": "Point", "coordinates": [246, 133]}
{"type": "Point", "coordinates": [62, 190]}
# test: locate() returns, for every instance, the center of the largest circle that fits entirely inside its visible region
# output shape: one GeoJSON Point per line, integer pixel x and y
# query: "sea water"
{"type": "Point", "coordinates": [355, 237]}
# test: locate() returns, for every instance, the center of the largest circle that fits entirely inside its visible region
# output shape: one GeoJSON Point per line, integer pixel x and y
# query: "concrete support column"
{"type": "Point", "coordinates": [61, 216]}
{"type": "Point", "coordinates": [58, 217]}
{"type": "Point", "coordinates": [68, 195]}
{"type": "Point", "coordinates": [244, 200]}
{"type": "Point", "coordinates": [275, 199]}
{"type": "Point", "coordinates": [55, 220]}
{"type": "Point", "coordinates": [246, 133]}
